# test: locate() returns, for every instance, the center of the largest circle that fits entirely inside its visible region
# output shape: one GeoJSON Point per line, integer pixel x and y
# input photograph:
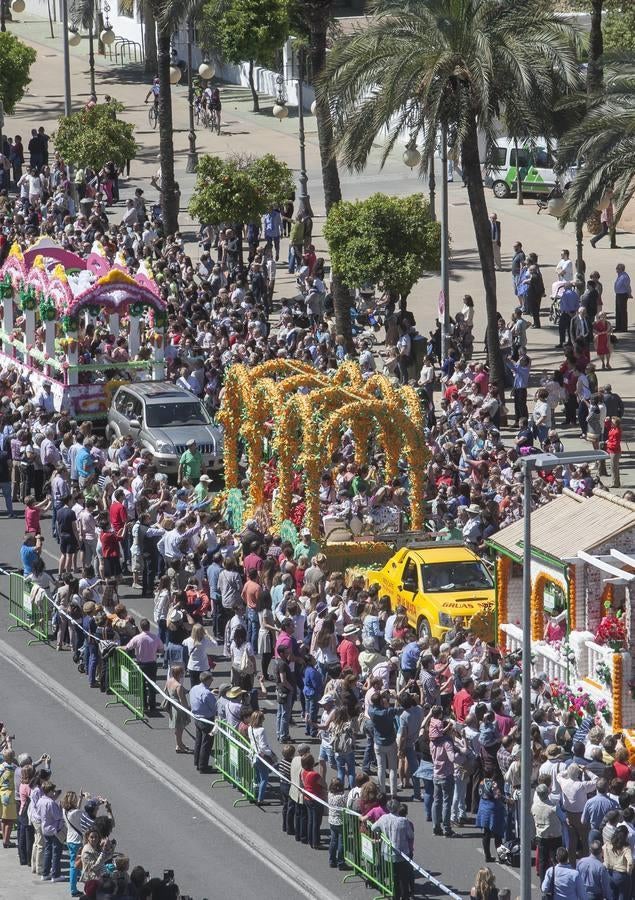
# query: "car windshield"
{"type": "Point", "coordinates": [455, 576]}
{"type": "Point", "coordinates": [169, 415]}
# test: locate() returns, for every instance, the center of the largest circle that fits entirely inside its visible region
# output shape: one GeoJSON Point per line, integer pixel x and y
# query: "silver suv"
{"type": "Point", "coordinates": [164, 418]}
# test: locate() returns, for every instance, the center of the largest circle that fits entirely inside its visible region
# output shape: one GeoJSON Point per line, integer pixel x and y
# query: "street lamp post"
{"type": "Point", "coordinates": [192, 156]}
{"type": "Point", "coordinates": [445, 243]}
{"type": "Point", "coordinates": [528, 465]}
{"type": "Point", "coordinates": [67, 59]}
{"type": "Point", "coordinates": [304, 201]}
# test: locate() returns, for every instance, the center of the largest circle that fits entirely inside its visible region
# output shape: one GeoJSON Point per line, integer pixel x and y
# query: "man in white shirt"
{"type": "Point", "coordinates": [564, 269]}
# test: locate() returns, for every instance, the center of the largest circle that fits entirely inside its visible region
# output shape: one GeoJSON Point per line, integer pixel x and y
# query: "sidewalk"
{"type": "Point", "coordinates": [18, 883]}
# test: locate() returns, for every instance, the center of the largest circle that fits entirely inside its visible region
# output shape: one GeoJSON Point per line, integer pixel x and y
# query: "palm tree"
{"type": "Point", "coordinates": [604, 141]}
{"type": "Point", "coordinates": [317, 16]}
{"type": "Point", "coordinates": [450, 62]}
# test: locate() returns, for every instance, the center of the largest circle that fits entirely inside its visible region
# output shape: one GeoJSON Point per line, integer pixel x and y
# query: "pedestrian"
{"type": "Point", "coordinates": [399, 846]}
{"type": "Point", "coordinates": [204, 707]}
{"type": "Point", "coordinates": [384, 718]}
{"type": "Point", "coordinates": [614, 448]}
{"type": "Point", "coordinates": [337, 798]}
{"type": "Point", "coordinates": [200, 649]}
{"type": "Point", "coordinates": [521, 372]}
{"type": "Point", "coordinates": [490, 816]}
{"type": "Point", "coordinates": [548, 829]}
{"type": "Point", "coordinates": [562, 880]}
{"type": "Point", "coordinates": [265, 759]}
{"type": "Point", "coordinates": [607, 218]}
{"type": "Point", "coordinates": [146, 646]}
{"type": "Point", "coordinates": [618, 859]}
{"type": "Point", "coordinates": [53, 831]}
{"type": "Point", "coordinates": [623, 294]}
{"type": "Point", "coordinates": [594, 874]}
{"type": "Point", "coordinates": [179, 717]}
{"type": "Point", "coordinates": [8, 809]}
{"type": "Point", "coordinates": [564, 267]}
{"type": "Point", "coordinates": [518, 260]}
{"type": "Point", "coordinates": [315, 797]}
{"type": "Point", "coordinates": [26, 833]}
{"type": "Point", "coordinates": [72, 814]}
{"type": "Point", "coordinates": [484, 885]}
{"type": "Point", "coordinates": [602, 339]}
{"type": "Point", "coordinates": [442, 753]}
{"type": "Point", "coordinates": [495, 233]}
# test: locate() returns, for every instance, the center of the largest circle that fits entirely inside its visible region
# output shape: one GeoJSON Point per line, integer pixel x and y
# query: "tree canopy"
{"type": "Point", "coordinates": [245, 29]}
{"type": "Point", "coordinates": [239, 189]}
{"type": "Point", "coordinates": [16, 60]}
{"type": "Point", "coordinates": [391, 240]}
{"type": "Point", "coordinates": [96, 136]}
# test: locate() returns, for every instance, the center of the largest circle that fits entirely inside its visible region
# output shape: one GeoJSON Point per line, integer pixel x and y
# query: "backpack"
{"type": "Point", "coordinates": [342, 740]}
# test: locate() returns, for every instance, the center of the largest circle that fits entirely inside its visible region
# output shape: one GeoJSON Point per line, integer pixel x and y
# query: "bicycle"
{"type": "Point", "coordinates": [215, 120]}
{"type": "Point", "coordinates": [153, 116]}
{"type": "Point", "coordinates": [205, 117]}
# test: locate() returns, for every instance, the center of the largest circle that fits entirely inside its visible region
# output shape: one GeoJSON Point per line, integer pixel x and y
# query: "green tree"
{"type": "Point", "coordinates": [16, 60]}
{"type": "Point", "coordinates": [384, 239]}
{"type": "Point", "coordinates": [250, 30]}
{"type": "Point", "coordinates": [95, 136]}
{"type": "Point", "coordinates": [425, 63]}
{"type": "Point", "coordinates": [619, 27]}
{"type": "Point", "coordinates": [239, 189]}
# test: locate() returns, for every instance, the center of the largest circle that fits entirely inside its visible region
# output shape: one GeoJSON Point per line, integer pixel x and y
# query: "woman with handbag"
{"type": "Point", "coordinates": [243, 663]}
{"type": "Point", "coordinates": [263, 754]}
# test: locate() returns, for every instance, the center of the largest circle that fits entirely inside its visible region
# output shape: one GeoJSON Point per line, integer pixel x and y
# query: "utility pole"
{"type": "Point", "coordinates": [67, 60]}
{"type": "Point", "coordinates": [445, 244]}
{"type": "Point", "coordinates": [304, 201]}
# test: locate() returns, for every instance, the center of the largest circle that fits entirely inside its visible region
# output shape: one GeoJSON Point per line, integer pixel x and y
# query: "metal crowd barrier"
{"type": "Point", "coordinates": [125, 682]}
{"type": "Point", "coordinates": [369, 855]}
{"type": "Point", "coordinates": [29, 608]}
{"type": "Point", "coordinates": [233, 756]}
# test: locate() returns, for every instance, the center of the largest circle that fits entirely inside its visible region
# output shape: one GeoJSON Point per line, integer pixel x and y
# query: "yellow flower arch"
{"type": "Point", "coordinates": [306, 428]}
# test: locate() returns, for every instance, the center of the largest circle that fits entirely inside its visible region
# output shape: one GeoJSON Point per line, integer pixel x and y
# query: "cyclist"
{"type": "Point", "coordinates": [214, 101]}
{"type": "Point", "coordinates": [154, 92]}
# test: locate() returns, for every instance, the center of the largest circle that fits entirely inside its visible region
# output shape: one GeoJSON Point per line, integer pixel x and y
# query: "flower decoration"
{"type": "Point", "coordinates": [47, 310]}
{"type": "Point", "coordinates": [604, 675]}
{"type": "Point", "coordinates": [136, 309]}
{"type": "Point", "coordinates": [503, 571]}
{"type": "Point", "coordinates": [612, 629]}
{"type": "Point", "coordinates": [70, 324]}
{"type": "Point", "coordinates": [618, 684]}
{"type": "Point", "coordinates": [28, 300]}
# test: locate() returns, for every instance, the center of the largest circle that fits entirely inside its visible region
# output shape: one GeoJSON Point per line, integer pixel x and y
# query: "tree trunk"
{"type": "Point", "coordinates": [169, 199]}
{"type": "Point", "coordinates": [149, 39]}
{"type": "Point", "coordinates": [476, 194]}
{"type": "Point", "coordinates": [252, 87]}
{"type": "Point", "coordinates": [318, 14]}
{"type": "Point", "coordinates": [50, 15]}
{"type": "Point", "coordinates": [595, 70]}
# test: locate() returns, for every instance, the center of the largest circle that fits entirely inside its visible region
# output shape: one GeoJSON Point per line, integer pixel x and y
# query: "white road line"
{"type": "Point", "coordinates": [169, 778]}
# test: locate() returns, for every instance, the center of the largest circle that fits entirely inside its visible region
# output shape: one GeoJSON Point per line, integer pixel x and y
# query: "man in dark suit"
{"type": "Point", "coordinates": [495, 229]}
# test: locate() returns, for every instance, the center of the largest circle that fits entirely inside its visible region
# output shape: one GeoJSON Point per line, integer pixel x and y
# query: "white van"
{"type": "Point", "coordinates": [536, 163]}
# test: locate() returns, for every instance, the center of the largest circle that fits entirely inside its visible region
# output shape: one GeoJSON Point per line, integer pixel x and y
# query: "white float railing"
{"type": "Point", "coordinates": [546, 659]}
{"type": "Point", "coordinates": [596, 654]}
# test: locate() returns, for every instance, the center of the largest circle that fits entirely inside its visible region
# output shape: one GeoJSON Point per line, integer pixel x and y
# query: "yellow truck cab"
{"type": "Point", "coordinates": [436, 583]}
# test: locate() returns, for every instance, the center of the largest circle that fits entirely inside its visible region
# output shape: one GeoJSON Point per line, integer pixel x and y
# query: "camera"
{"type": "Point", "coordinates": [168, 876]}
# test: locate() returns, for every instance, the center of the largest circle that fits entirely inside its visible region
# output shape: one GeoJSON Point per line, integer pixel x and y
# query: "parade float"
{"type": "Point", "coordinates": [49, 297]}
{"type": "Point", "coordinates": [286, 418]}
{"type": "Point", "coordinates": [582, 602]}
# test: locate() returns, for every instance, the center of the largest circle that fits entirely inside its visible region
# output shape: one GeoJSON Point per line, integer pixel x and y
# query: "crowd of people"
{"type": "Point", "coordinates": [49, 822]}
{"type": "Point", "coordinates": [434, 721]}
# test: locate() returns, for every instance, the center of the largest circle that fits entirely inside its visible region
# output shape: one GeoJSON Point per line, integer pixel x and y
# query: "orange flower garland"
{"type": "Point", "coordinates": [618, 685]}
{"type": "Point", "coordinates": [503, 569]}
{"type": "Point", "coordinates": [573, 597]}
{"type": "Point", "coordinates": [538, 604]}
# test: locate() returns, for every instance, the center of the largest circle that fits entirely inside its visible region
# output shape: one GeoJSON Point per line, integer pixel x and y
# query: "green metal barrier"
{"type": "Point", "coordinates": [125, 681]}
{"type": "Point", "coordinates": [232, 756]}
{"type": "Point", "coordinates": [369, 855]}
{"type": "Point", "coordinates": [29, 610]}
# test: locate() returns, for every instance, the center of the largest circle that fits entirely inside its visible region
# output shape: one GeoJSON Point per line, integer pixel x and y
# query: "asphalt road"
{"type": "Point", "coordinates": [185, 825]}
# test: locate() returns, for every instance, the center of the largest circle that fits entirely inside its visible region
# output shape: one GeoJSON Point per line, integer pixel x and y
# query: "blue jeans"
{"type": "Point", "coordinates": [52, 856]}
{"type": "Point", "coordinates": [442, 802]}
{"type": "Point", "coordinates": [283, 716]}
{"type": "Point", "coordinates": [428, 797]}
{"type": "Point", "coordinates": [369, 751]}
{"type": "Point", "coordinates": [5, 487]}
{"type": "Point", "coordinates": [413, 765]}
{"type": "Point", "coordinates": [253, 626]}
{"type": "Point", "coordinates": [336, 846]}
{"type": "Point", "coordinates": [458, 811]}
{"type": "Point", "coordinates": [73, 851]}
{"type": "Point", "coordinates": [262, 776]}
{"type": "Point", "coordinates": [346, 761]}
{"type": "Point", "coordinates": [620, 885]}
{"type": "Point", "coordinates": [311, 716]}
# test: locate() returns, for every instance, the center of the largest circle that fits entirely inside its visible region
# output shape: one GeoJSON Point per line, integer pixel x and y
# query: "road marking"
{"type": "Point", "coordinates": [169, 778]}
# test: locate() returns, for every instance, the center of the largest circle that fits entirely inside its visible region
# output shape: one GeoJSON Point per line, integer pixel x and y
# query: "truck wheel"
{"type": "Point", "coordinates": [501, 190]}
{"type": "Point", "coordinates": [423, 628]}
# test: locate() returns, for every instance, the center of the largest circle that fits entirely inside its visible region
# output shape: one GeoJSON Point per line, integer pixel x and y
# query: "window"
{"type": "Point", "coordinates": [167, 415]}
{"type": "Point", "coordinates": [409, 578]}
{"type": "Point", "coordinates": [542, 158]}
{"type": "Point", "coordinates": [499, 157]}
{"type": "Point", "coordinates": [456, 576]}
{"type": "Point", "coordinates": [122, 401]}
{"type": "Point", "coordinates": [524, 158]}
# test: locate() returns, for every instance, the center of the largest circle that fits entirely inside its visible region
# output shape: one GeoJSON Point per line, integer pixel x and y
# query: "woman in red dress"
{"type": "Point", "coordinates": [601, 336]}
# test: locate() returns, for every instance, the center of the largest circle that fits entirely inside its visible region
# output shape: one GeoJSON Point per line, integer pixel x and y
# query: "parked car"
{"type": "Point", "coordinates": [436, 583]}
{"type": "Point", "coordinates": [164, 418]}
{"type": "Point", "coordinates": [537, 168]}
